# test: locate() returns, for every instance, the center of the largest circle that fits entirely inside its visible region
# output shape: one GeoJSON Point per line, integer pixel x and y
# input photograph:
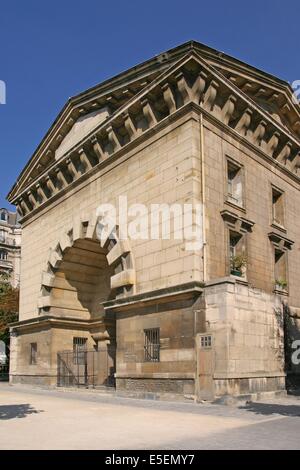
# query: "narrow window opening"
{"type": "Point", "coordinates": [33, 354]}
{"type": "Point", "coordinates": [79, 350]}
{"type": "Point", "coordinates": [234, 184]}
{"type": "Point", "coordinates": [152, 345]}
{"type": "Point", "coordinates": [238, 260]}
{"type": "Point", "coordinates": [280, 270]}
{"type": "Point", "coordinates": [278, 207]}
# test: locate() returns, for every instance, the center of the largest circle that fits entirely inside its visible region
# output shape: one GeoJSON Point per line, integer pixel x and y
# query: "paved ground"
{"type": "Point", "coordinates": [42, 419]}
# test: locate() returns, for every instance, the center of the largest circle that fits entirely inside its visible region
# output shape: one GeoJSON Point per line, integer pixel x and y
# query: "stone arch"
{"type": "Point", "coordinates": [80, 241]}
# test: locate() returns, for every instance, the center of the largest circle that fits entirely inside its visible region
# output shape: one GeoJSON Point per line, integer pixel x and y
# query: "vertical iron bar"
{"type": "Point", "coordinates": [77, 370]}
{"type": "Point", "coordinates": [93, 370]}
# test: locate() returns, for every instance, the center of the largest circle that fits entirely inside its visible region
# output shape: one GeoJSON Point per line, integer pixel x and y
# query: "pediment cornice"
{"type": "Point", "coordinates": [190, 79]}
{"type": "Point", "coordinates": [281, 103]}
{"type": "Point", "coordinates": [258, 84]}
{"type": "Point", "coordinates": [112, 93]}
{"type": "Point", "coordinates": [75, 109]}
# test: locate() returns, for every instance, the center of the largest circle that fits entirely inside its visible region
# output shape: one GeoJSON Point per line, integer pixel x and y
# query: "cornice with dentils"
{"type": "Point", "coordinates": [87, 99]}
{"type": "Point", "coordinates": [191, 79]}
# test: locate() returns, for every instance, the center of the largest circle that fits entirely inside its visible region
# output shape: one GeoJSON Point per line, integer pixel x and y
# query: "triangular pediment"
{"type": "Point", "coordinates": [149, 93]}
{"type": "Point", "coordinates": [82, 112]}
{"type": "Point", "coordinates": [85, 111]}
{"type": "Point", "coordinates": [81, 128]}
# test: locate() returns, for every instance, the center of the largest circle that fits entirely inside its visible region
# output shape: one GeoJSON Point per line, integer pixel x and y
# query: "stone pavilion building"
{"type": "Point", "coordinates": [191, 125]}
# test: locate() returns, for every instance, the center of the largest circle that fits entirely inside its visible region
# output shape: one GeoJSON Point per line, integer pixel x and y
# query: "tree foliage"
{"type": "Point", "coordinates": [9, 306]}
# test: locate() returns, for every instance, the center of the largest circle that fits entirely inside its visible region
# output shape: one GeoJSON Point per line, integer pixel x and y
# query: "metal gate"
{"type": "Point", "coordinates": [89, 368]}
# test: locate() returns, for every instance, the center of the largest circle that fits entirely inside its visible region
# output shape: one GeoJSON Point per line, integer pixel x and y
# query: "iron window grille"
{"type": "Point", "coordinates": [79, 350]}
{"type": "Point", "coordinates": [206, 341]}
{"type": "Point", "coordinates": [152, 345]}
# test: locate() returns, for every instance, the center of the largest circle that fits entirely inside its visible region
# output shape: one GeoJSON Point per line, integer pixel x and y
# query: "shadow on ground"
{"type": "Point", "coordinates": [272, 409]}
{"type": "Point", "coordinates": [17, 411]}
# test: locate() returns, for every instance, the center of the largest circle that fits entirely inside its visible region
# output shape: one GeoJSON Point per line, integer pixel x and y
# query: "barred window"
{"type": "Point", "coordinates": [33, 354]}
{"type": "Point", "coordinates": [79, 350]}
{"type": "Point", "coordinates": [152, 345]}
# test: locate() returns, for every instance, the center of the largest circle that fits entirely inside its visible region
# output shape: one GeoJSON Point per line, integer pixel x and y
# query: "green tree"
{"type": "Point", "coordinates": [9, 307]}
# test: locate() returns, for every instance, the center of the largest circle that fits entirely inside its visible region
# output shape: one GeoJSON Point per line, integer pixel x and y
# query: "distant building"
{"type": "Point", "coordinates": [10, 245]}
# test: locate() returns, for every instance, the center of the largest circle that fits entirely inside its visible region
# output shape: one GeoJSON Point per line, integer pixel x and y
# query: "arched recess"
{"type": "Point", "coordinates": [81, 272]}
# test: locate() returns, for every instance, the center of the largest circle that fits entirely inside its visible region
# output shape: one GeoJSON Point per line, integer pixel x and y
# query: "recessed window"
{"type": "Point", "coordinates": [234, 183]}
{"type": "Point", "coordinates": [280, 264]}
{"type": "Point", "coordinates": [152, 345]}
{"type": "Point", "coordinates": [3, 255]}
{"type": "Point", "coordinates": [33, 354]}
{"type": "Point", "coordinates": [2, 236]}
{"type": "Point", "coordinates": [277, 207]}
{"type": "Point", "coordinates": [238, 260]}
{"type": "Point", "coordinates": [79, 350]}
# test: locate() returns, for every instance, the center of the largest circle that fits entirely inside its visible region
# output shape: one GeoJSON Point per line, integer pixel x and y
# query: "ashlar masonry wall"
{"type": "Point", "coordinates": [164, 169]}
{"type": "Point", "coordinates": [247, 328]}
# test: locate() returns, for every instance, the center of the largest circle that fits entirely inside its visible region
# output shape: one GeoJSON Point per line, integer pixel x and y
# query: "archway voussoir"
{"type": "Point", "coordinates": [90, 233]}
{"type": "Point", "coordinates": [65, 242]}
{"type": "Point", "coordinates": [77, 230]}
{"type": "Point", "coordinates": [78, 226]}
{"type": "Point", "coordinates": [47, 279]}
{"type": "Point", "coordinates": [54, 259]}
{"type": "Point", "coordinates": [122, 279]}
{"type": "Point", "coordinates": [44, 301]}
{"type": "Point", "coordinates": [104, 240]}
{"type": "Point", "coordinates": [67, 245]}
{"type": "Point", "coordinates": [109, 236]}
{"type": "Point", "coordinates": [121, 248]}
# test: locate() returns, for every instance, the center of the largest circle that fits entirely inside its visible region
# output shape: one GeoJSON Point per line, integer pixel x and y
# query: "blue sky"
{"type": "Point", "coordinates": [53, 50]}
